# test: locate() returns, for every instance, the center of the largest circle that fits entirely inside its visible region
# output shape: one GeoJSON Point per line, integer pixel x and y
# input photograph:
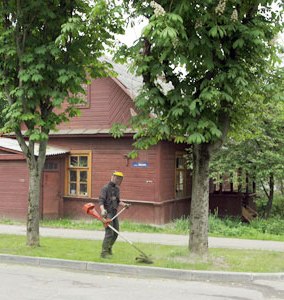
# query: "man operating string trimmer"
{"type": "Point", "coordinates": [109, 201]}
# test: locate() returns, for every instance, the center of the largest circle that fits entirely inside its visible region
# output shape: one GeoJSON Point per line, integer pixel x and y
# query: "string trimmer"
{"type": "Point", "coordinates": [89, 208]}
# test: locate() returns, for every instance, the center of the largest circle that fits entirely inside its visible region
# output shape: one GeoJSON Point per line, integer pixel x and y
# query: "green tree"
{"type": "Point", "coordinates": [47, 48]}
{"type": "Point", "coordinates": [3, 104]}
{"type": "Point", "coordinates": [199, 61]}
{"type": "Point", "coordinates": [257, 147]}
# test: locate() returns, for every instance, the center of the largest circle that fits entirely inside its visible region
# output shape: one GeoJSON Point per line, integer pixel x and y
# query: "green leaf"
{"type": "Point", "coordinates": [117, 130]}
{"type": "Point", "coordinates": [178, 112]}
{"type": "Point", "coordinates": [24, 76]}
{"type": "Point", "coordinates": [27, 117]}
{"type": "Point", "coordinates": [147, 29]}
{"type": "Point", "coordinates": [63, 79]}
{"type": "Point", "coordinates": [37, 78]}
{"type": "Point", "coordinates": [175, 17]}
{"type": "Point", "coordinates": [169, 32]}
{"type": "Point", "coordinates": [192, 105]}
{"type": "Point", "coordinates": [34, 136]}
{"type": "Point", "coordinates": [196, 138]}
{"type": "Point", "coordinates": [221, 32]}
{"type": "Point", "coordinates": [215, 132]}
{"type": "Point", "coordinates": [179, 139]}
{"type": "Point", "coordinates": [213, 31]}
{"type": "Point", "coordinates": [41, 50]}
{"type": "Point", "coordinates": [238, 43]}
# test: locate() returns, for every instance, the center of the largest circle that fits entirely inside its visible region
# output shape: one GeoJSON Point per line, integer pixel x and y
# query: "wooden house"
{"type": "Point", "coordinates": [82, 155]}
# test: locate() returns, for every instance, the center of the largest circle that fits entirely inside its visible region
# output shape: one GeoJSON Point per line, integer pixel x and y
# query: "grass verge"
{"type": "Point", "coordinates": [260, 229]}
{"type": "Point", "coordinates": [272, 229]}
{"type": "Point", "coordinates": [163, 256]}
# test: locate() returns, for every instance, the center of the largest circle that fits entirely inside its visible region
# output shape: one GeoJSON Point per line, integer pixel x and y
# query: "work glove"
{"type": "Point", "coordinates": [103, 213]}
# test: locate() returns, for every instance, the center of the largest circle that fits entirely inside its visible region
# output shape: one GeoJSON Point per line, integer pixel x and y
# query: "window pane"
{"type": "Point", "coordinates": [83, 189]}
{"type": "Point", "coordinates": [72, 190]}
{"type": "Point", "coordinates": [73, 176]}
{"type": "Point", "coordinates": [83, 176]}
{"type": "Point", "coordinates": [73, 161]}
{"type": "Point", "coordinates": [180, 181]}
{"type": "Point", "coordinates": [83, 161]}
{"type": "Point", "coordinates": [50, 166]}
{"type": "Point", "coordinates": [180, 163]}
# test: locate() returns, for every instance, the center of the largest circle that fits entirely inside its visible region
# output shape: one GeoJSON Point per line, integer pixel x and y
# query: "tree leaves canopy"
{"type": "Point", "coordinates": [47, 48]}
{"type": "Point", "coordinates": [200, 61]}
{"type": "Point", "coordinates": [258, 147]}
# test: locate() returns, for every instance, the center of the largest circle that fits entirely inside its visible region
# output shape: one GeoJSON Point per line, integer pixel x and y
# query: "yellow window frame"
{"type": "Point", "coordinates": [78, 170]}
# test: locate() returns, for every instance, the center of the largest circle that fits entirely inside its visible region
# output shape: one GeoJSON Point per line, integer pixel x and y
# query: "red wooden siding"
{"type": "Point", "coordinates": [119, 105]}
{"type": "Point", "coordinates": [167, 171]}
{"type": "Point", "coordinates": [150, 189]}
{"type": "Point", "coordinates": [14, 185]}
{"type": "Point", "coordinates": [108, 104]}
{"type": "Point", "coordinates": [109, 154]}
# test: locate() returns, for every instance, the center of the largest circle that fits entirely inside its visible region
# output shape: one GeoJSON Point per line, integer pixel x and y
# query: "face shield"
{"type": "Point", "coordinates": [117, 177]}
{"type": "Point", "coordinates": [117, 180]}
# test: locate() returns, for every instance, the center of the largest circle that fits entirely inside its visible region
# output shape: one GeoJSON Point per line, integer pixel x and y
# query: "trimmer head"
{"type": "Point", "coordinates": [143, 259]}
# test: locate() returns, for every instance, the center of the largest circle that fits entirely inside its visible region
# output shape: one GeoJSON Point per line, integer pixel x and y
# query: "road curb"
{"type": "Point", "coordinates": [140, 271]}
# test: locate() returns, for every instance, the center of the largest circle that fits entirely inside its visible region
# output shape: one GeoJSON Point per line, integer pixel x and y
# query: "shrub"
{"type": "Point", "coordinates": [277, 206]}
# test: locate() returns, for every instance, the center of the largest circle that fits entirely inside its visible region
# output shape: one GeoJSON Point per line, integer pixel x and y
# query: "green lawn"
{"type": "Point", "coordinates": [260, 229]}
{"type": "Point", "coordinates": [163, 256]}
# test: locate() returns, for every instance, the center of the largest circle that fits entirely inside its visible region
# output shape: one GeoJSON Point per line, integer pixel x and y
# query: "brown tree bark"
{"type": "Point", "coordinates": [198, 239]}
{"type": "Point", "coordinates": [270, 196]}
{"type": "Point", "coordinates": [33, 216]}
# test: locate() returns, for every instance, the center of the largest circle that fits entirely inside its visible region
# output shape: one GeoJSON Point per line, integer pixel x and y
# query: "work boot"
{"type": "Point", "coordinates": [105, 254]}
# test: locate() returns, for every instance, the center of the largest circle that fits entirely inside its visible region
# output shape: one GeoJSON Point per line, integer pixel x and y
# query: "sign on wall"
{"type": "Point", "coordinates": [140, 164]}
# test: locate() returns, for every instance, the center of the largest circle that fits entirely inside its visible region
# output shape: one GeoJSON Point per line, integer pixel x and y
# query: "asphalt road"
{"type": "Point", "coordinates": [33, 283]}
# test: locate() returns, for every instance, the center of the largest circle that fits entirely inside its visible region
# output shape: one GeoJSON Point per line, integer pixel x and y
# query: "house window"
{"type": "Point", "coordinates": [180, 184]}
{"type": "Point", "coordinates": [50, 166]}
{"type": "Point", "coordinates": [79, 174]}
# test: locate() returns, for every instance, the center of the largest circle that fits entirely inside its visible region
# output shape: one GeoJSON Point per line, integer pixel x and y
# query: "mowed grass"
{"type": "Point", "coordinates": [163, 256]}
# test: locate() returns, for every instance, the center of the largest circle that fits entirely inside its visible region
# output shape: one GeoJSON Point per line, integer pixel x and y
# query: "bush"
{"type": "Point", "coordinates": [277, 206]}
{"type": "Point", "coordinates": [270, 226]}
{"type": "Point", "coordinates": [233, 227]}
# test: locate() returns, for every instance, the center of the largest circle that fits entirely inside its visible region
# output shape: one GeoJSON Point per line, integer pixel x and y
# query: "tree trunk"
{"type": "Point", "coordinates": [282, 187]}
{"type": "Point", "coordinates": [270, 196]}
{"type": "Point", "coordinates": [33, 207]}
{"type": "Point", "coordinates": [35, 162]}
{"type": "Point", "coordinates": [198, 239]}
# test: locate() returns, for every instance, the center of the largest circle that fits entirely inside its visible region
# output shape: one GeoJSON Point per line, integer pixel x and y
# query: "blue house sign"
{"type": "Point", "coordinates": [142, 164]}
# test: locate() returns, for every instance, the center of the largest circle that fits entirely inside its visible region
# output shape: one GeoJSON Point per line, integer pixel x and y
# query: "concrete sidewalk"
{"type": "Point", "coordinates": [153, 238]}
{"type": "Point", "coordinates": [144, 271]}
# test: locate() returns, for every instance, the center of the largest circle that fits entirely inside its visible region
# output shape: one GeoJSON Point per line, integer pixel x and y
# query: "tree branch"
{"type": "Point", "coordinates": [266, 193]}
{"type": "Point", "coordinates": [224, 121]}
{"type": "Point", "coordinates": [22, 143]}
